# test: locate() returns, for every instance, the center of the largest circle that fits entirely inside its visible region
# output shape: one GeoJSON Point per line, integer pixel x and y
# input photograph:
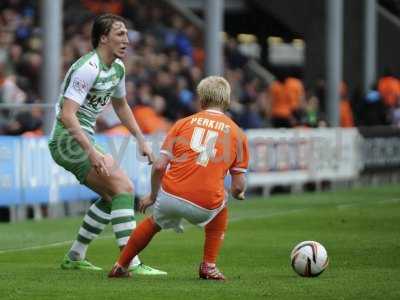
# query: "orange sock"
{"type": "Point", "coordinates": [138, 240]}
{"type": "Point", "coordinates": [215, 231]}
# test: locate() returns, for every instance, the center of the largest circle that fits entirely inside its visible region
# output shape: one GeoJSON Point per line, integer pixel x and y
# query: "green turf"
{"type": "Point", "coordinates": [359, 228]}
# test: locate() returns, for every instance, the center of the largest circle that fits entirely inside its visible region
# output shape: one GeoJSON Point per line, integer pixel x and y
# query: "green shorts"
{"type": "Point", "coordinates": [68, 154]}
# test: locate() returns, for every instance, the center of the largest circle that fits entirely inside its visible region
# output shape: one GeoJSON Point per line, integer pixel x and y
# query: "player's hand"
{"type": "Point", "coordinates": [98, 162]}
{"type": "Point", "coordinates": [145, 203]}
{"type": "Point", "coordinates": [145, 150]}
{"type": "Point", "coordinates": [240, 196]}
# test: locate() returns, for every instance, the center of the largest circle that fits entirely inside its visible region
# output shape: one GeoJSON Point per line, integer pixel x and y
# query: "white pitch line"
{"type": "Point", "coordinates": [47, 245]}
{"type": "Point", "coordinates": [236, 219]}
{"type": "Point", "coordinates": [355, 204]}
{"type": "Point", "coordinates": [346, 206]}
{"type": "Point", "coordinates": [388, 201]}
{"type": "Point", "coordinates": [268, 215]}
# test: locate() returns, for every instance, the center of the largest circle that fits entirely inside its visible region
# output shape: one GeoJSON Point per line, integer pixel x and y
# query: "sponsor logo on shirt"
{"type": "Point", "coordinates": [79, 85]}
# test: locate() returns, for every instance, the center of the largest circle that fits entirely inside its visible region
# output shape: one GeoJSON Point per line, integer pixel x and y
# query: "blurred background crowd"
{"type": "Point", "coordinates": [164, 64]}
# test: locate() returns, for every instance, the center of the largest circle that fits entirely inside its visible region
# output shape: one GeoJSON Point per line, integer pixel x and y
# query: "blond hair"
{"type": "Point", "coordinates": [214, 91]}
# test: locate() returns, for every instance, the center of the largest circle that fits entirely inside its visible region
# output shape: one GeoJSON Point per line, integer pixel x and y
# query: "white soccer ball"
{"type": "Point", "coordinates": [309, 259]}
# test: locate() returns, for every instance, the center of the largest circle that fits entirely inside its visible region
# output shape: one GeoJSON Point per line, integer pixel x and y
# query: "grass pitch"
{"type": "Point", "coordinates": [360, 230]}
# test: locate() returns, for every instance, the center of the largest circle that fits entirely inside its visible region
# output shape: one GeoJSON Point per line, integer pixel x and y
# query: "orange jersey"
{"type": "Point", "coordinates": [202, 148]}
{"type": "Point", "coordinates": [280, 102]}
{"type": "Point", "coordinates": [148, 120]}
{"type": "Point", "coordinates": [346, 114]}
{"type": "Point", "coordinates": [295, 92]}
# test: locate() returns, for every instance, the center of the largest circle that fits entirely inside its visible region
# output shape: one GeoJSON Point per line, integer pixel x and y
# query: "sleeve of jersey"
{"type": "Point", "coordinates": [80, 83]}
{"type": "Point", "coordinates": [241, 163]}
{"type": "Point", "coordinates": [168, 146]}
{"type": "Point", "coordinates": [120, 91]}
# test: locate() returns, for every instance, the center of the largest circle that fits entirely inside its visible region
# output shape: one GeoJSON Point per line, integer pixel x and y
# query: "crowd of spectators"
{"type": "Point", "coordinates": [164, 64]}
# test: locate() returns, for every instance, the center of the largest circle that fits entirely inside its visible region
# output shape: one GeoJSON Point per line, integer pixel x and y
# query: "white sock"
{"type": "Point", "coordinates": [134, 262]}
{"type": "Point", "coordinates": [80, 249]}
{"type": "Point", "coordinates": [95, 220]}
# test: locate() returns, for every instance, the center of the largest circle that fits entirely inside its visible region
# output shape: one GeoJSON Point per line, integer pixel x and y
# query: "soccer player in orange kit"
{"type": "Point", "coordinates": [187, 180]}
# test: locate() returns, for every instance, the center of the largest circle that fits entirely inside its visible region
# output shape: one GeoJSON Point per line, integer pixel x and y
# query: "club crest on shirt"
{"type": "Point", "coordinates": [114, 80]}
{"type": "Point", "coordinates": [79, 85]}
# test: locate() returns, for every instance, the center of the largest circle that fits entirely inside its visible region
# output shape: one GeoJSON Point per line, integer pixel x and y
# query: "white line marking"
{"type": "Point", "coordinates": [235, 219]}
{"type": "Point", "coordinates": [393, 200]}
{"type": "Point", "coordinates": [362, 203]}
{"type": "Point", "coordinates": [48, 245]}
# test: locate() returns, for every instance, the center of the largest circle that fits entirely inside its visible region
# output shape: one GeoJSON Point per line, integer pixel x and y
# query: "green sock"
{"type": "Point", "coordinates": [122, 217]}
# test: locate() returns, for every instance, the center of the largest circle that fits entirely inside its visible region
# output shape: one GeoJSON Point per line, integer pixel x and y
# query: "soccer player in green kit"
{"type": "Point", "coordinates": [90, 84]}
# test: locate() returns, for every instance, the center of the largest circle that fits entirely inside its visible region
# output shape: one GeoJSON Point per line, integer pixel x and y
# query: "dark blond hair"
{"type": "Point", "coordinates": [214, 91]}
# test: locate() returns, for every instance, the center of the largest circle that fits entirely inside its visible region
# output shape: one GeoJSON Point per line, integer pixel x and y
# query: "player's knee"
{"type": "Point", "coordinates": [106, 197]}
{"type": "Point", "coordinates": [121, 183]}
{"type": "Point", "coordinates": [126, 183]}
{"type": "Point", "coordinates": [129, 186]}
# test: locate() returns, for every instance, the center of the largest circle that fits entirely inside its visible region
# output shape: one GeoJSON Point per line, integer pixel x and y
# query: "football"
{"type": "Point", "coordinates": [309, 259]}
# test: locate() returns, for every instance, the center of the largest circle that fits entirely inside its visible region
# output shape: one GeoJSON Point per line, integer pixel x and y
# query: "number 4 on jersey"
{"type": "Point", "coordinates": [206, 149]}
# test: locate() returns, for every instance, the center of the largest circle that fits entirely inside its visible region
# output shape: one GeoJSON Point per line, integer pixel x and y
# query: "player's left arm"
{"type": "Point", "coordinates": [239, 168]}
{"type": "Point", "coordinates": [160, 166]}
{"type": "Point", "coordinates": [124, 113]}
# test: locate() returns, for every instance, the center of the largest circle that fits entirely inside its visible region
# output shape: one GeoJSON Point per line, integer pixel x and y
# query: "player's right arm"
{"type": "Point", "coordinates": [80, 81]}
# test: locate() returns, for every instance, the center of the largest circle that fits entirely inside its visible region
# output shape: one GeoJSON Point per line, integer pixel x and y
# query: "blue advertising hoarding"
{"type": "Point", "coordinates": [28, 174]}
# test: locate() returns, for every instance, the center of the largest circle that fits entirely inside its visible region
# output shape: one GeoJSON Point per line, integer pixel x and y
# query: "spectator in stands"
{"type": "Point", "coordinates": [311, 112]}
{"type": "Point", "coordinates": [164, 87]}
{"type": "Point", "coordinates": [25, 121]}
{"type": "Point", "coordinates": [148, 110]}
{"type": "Point", "coordinates": [149, 116]}
{"type": "Point", "coordinates": [249, 117]}
{"type": "Point", "coordinates": [100, 6]}
{"type": "Point", "coordinates": [155, 26]}
{"type": "Point", "coordinates": [389, 89]}
{"type": "Point", "coordinates": [345, 111]}
{"type": "Point", "coordinates": [177, 37]}
{"type": "Point", "coordinates": [320, 93]}
{"type": "Point", "coordinates": [234, 58]}
{"type": "Point", "coordinates": [166, 52]}
{"type": "Point", "coordinates": [396, 115]}
{"type": "Point", "coordinates": [281, 107]}
{"type": "Point", "coordinates": [373, 110]}
{"type": "Point", "coordinates": [249, 113]}
{"type": "Point", "coordinates": [294, 89]}
{"type": "Point", "coordinates": [10, 94]}
{"type": "Point", "coordinates": [185, 96]}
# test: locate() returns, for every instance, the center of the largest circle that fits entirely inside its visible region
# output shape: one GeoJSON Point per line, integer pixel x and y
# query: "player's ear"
{"type": "Point", "coordinates": [104, 38]}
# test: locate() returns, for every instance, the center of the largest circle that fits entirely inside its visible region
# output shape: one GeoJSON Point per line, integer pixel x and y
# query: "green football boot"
{"type": "Point", "coordinates": [68, 264]}
{"type": "Point", "coordinates": [142, 269]}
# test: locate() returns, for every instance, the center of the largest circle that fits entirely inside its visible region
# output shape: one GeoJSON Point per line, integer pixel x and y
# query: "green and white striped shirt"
{"type": "Point", "coordinates": [91, 84]}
